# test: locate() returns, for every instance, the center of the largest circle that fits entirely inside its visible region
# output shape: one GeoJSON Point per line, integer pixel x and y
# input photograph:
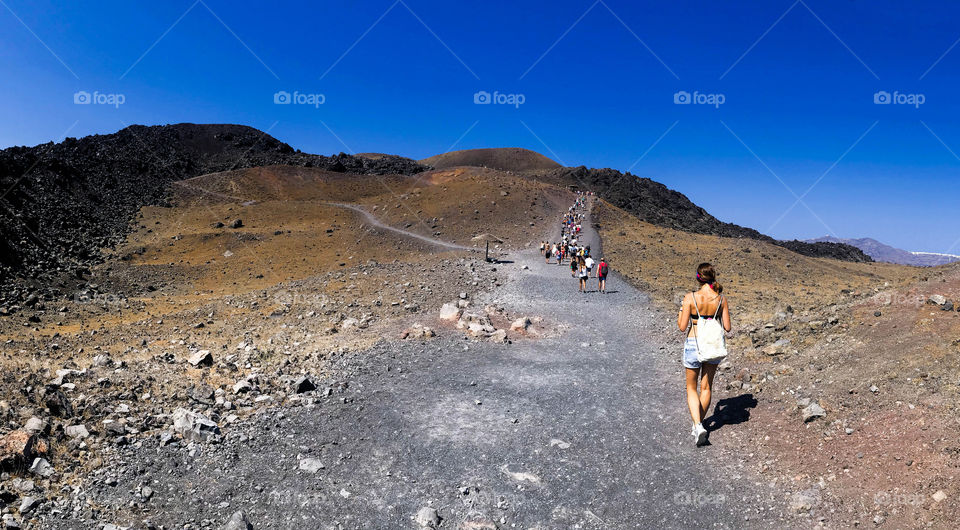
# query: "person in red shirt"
{"type": "Point", "coordinates": [602, 270]}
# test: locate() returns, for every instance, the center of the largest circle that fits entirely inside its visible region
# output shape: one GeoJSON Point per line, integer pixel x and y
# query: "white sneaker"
{"type": "Point", "coordinates": [700, 434]}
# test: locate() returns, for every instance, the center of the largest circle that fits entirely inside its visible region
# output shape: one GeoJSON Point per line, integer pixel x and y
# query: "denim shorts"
{"type": "Point", "coordinates": [690, 354]}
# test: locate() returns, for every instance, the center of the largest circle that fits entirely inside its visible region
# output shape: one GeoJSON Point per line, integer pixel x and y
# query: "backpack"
{"type": "Point", "coordinates": [711, 343]}
{"type": "Point", "coordinates": [604, 268]}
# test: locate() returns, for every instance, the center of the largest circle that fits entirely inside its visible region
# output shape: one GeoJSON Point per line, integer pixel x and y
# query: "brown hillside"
{"type": "Point", "coordinates": [503, 158]}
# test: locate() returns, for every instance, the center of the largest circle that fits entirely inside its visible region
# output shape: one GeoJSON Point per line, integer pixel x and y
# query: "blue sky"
{"type": "Point", "coordinates": [598, 81]}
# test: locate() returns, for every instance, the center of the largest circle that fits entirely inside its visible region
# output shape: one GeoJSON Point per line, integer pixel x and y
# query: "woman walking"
{"type": "Point", "coordinates": [582, 273]}
{"type": "Point", "coordinates": [696, 312]}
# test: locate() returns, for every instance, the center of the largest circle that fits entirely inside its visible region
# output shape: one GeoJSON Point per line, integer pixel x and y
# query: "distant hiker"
{"type": "Point", "coordinates": [582, 274]}
{"type": "Point", "coordinates": [588, 263]}
{"type": "Point", "coordinates": [602, 270]}
{"type": "Point", "coordinates": [574, 268]}
{"type": "Point", "coordinates": [546, 254]}
{"type": "Point", "coordinates": [704, 347]}
{"type": "Point", "coordinates": [543, 247]}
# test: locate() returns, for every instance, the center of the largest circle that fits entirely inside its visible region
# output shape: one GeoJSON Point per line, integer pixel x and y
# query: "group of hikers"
{"type": "Point", "coordinates": [572, 250]}
{"type": "Point", "coordinates": [704, 315]}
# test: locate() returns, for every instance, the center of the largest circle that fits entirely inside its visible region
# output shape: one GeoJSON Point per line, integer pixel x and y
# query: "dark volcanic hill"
{"type": "Point", "coordinates": [61, 203]}
{"type": "Point", "coordinates": [883, 252]}
{"type": "Point", "coordinates": [655, 203]}
{"type": "Point", "coordinates": [502, 158]}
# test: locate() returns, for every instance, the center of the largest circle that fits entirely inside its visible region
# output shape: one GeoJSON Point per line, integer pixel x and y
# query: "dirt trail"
{"type": "Point", "coordinates": [581, 428]}
{"type": "Point", "coordinates": [370, 218]}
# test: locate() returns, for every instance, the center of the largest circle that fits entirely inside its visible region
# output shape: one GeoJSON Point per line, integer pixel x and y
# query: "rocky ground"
{"type": "Point", "coordinates": [568, 418]}
{"type": "Point", "coordinates": [333, 348]}
{"type": "Point", "coordinates": [854, 367]}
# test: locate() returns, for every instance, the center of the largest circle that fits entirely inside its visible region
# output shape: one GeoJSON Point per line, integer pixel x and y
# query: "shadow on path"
{"type": "Point", "coordinates": [731, 411]}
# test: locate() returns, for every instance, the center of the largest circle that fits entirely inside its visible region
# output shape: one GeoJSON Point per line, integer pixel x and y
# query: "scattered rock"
{"type": "Point", "coordinates": [804, 501]}
{"type": "Point", "coordinates": [238, 521]}
{"type": "Point", "coordinates": [812, 412]}
{"type": "Point", "coordinates": [77, 431]}
{"type": "Point", "coordinates": [311, 465]}
{"type": "Point", "coordinates": [939, 496]}
{"type": "Point", "coordinates": [947, 306]}
{"type": "Point", "coordinates": [201, 358]}
{"type": "Point", "coordinates": [520, 324]}
{"type": "Point", "coordinates": [449, 312]}
{"type": "Point", "coordinates": [418, 331]}
{"type": "Point", "coordinates": [498, 336]}
{"type": "Point", "coordinates": [20, 447]}
{"type": "Point", "coordinates": [304, 384]}
{"type": "Point", "coordinates": [28, 504]}
{"type": "Point", "coordinates": [237, 223]}
{"type": "Point", "coordinates": [428, 517]}
{"type": "Point", "coordinates": [777, 348]}
{"type": "Point", "coordinates": [937, 299]}
{"type": "Point", "coordinates": [877, 314]}
{"type": "Point", "coordinates": [193, 426]}
{"type": "Point", "coordinates": [35, 425]}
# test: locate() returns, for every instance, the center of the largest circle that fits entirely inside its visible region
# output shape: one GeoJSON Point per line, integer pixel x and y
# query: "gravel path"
{"type": "Point", "coordinates": [584, 428]}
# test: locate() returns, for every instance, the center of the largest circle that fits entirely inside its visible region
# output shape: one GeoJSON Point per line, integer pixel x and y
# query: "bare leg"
{"type": "Point", "coordinates": [706, 387]}
{"type": "Point", "coordinates": [693, 396]}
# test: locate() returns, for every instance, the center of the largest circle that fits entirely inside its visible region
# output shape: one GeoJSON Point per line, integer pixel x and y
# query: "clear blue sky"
{"type": "Point", "coordinates": [598, 81]}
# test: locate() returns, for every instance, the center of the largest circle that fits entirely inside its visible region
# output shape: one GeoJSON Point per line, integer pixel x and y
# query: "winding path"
{"type": "Point", "coordinates": [371, 219]}
{"type": "Point", "coordinates": [582, 427]}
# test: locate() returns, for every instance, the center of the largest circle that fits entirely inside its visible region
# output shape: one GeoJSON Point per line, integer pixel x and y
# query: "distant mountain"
{"type": "Point", "coordinates": [657, 204]}
{"type": "Point", "coordinates": [883, 252]}
{"type": "Point", "coordinates": [502, 158]}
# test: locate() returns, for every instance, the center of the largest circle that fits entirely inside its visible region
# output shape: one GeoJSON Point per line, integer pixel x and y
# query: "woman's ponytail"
{"type": "Point", "coordinates": [707, 275]}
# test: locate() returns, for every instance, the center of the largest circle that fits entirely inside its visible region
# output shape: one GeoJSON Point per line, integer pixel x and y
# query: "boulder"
{"type": "Point", "coordinates": [311, 465]}
{"type": "Point", "coordinates": [35, 425]}
{"type": "Point", "coordinates": [304, 384]}
{"type": "Point", "coordinates": [17, 448]}
{"type": "Point", "coordinates": [238, 521]}
{"type": "Point", "coordinates": [449, 312]}
{"type": "Point", "coordinates": [28, 504]}
{"type": "Point", "coordinates": [947, 306]}
{"type": "Point", "coordinates": [193, 426]}
{"type": "Point", "coordinates": [77, 431]}
{"type": "Point", "coordinates": [201, 358]}
{"type": "Point", "coordinates": [428, 517]}
{"type": "Point", "coordinates": [937, 299]}
{"type": "Point", "coordinates": [41, 467]}
{"type": "Point", "coordinates": [520, 324]}
{"type": "Point", "coordinates": [777, 348]}
{"type": "Point", "coordinates": [237, 223]}
{"type": "Point", "coordinates": [418, 331]}
{"type": "Point", "coordinates": [812, 412]}
{"type": "Point", "coordinates": [499, 336]}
